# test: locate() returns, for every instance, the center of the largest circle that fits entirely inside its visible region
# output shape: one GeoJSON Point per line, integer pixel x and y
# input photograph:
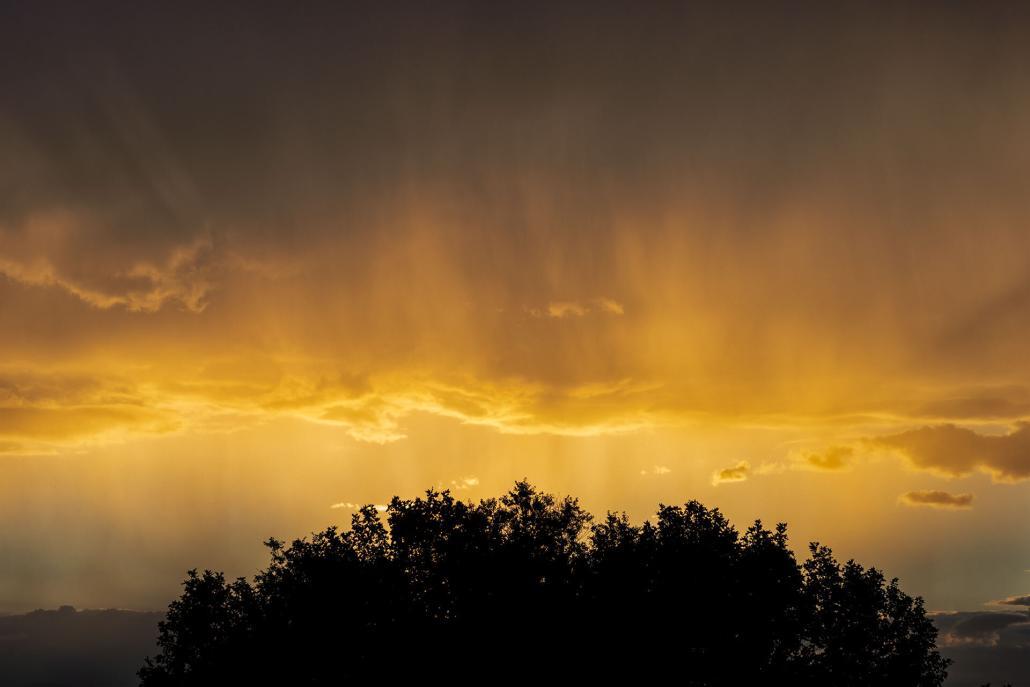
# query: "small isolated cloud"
{"type": "Point", "coordinates": [656, 470]}
{"type": "Point", "coordinates": [830, 459]}
{"type": "Point", "coordinates": [957, 451]}
{"type": "Point", "coordinates": [609, 306]}
{"type": "Point", "coordinates": [737, 473]}
{"type": "Point", "coordinates": [465, 483]}
{"type": "Point", "coordinates": [565, 309]}
{"type": "Point", "coordinates": [937, 499]}
{"type": "Point", "coordinates": [562, 309]}
{"type": "Point", "coordinates": [1023, 600]}
{"type": "Point", "coordinates": [833, 458]}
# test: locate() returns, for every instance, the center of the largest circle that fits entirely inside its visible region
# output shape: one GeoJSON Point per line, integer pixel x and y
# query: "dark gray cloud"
{"type": "Point", "coordinates": [976, 628]}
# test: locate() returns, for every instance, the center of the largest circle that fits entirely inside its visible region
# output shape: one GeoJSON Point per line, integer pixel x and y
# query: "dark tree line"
{"type": "Point", "coordinates": [524, 588]}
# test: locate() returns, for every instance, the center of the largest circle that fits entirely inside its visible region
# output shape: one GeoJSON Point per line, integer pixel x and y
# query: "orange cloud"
{"type": "Point", "coordinates": [184, 277]}
{"type": "Point", "coordinates": [563, 309]}
{"type": "Point", "coordinates": [833, 458]}
{"type": "Point", "coordinates": [737, 473]}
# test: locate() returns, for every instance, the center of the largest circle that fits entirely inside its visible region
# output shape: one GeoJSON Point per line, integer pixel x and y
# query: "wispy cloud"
{"type": "Point", "coordinates": [612, 307]}
{"type": "Point", "coordinates": [561, 309]}
{"type": "Point", "coordinates": [183, 275]}
{"type": "Point", "coordinates": [972, 629]}
{"type": "Point", "coordinates": [1021, 600]}
{"type": "Point", "coordinates": [568, 309]}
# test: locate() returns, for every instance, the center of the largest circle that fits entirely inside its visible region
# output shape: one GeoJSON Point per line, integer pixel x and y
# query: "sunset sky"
{"type": "Point", "coordinates": [258, 267]}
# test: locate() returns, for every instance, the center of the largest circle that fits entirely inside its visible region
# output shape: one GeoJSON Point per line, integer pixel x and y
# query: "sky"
{"type": "Point", "coordinates": [260, 263]}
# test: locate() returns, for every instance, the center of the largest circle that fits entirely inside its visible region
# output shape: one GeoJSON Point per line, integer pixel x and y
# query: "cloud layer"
{"type": "Point", "coordinates": [557, 240]}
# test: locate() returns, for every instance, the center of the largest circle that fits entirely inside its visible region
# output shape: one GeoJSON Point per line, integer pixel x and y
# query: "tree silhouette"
{"type": "Point", "coordinates": [524, 588]}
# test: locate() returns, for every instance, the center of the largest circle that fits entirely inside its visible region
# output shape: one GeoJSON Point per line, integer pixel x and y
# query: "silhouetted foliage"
{"type": "Point", "coordinates": [524, 588]}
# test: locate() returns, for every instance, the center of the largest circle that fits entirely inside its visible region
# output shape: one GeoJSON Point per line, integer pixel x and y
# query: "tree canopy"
{"type": "Point", "coordinates": [528, 587]}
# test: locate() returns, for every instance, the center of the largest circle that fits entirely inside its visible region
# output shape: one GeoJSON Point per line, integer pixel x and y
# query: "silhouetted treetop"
{"type": "Point", "coordinates": [528, 588]}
